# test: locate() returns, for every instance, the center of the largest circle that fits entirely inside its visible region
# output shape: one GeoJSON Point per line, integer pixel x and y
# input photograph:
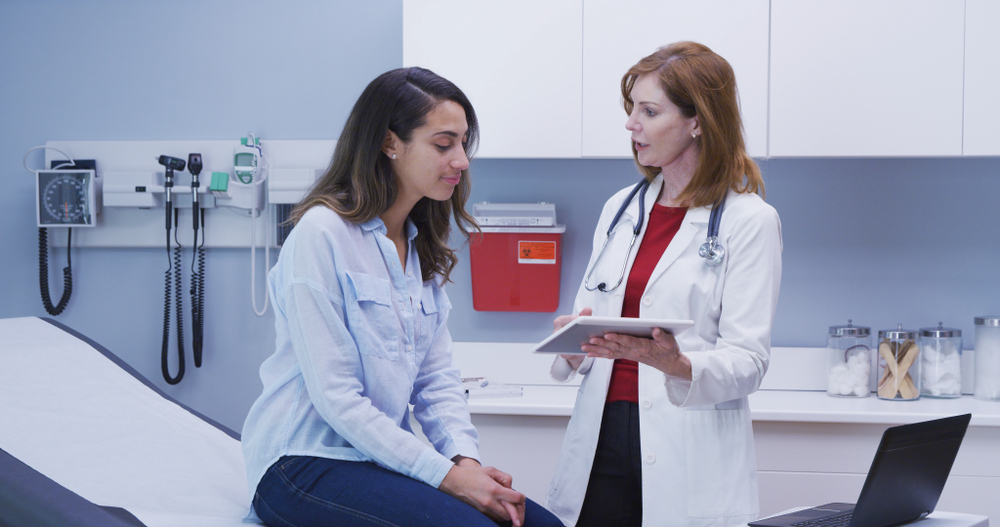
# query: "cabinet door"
{"type": "Point", "coordinates": [866, 77]}
{"type": "Point", "coordinates": [518, 61]}
{"type": "Point", "coordinates": [982, 78]}
{"type": "Point", "coordinates": [618, 33]}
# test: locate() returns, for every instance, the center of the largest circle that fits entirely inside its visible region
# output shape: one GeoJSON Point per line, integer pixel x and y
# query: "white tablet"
{"type": "Point", "coordinates": [578, 332]}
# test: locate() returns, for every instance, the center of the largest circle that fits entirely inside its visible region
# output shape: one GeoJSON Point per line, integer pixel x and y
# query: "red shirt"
{"type": "Point", "coordinates": [664, 222]}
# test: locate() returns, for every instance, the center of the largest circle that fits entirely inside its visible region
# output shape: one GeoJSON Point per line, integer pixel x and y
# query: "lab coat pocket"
{"type": "Point", "coordinates": [722, 468]}
{"type": "Point", "coordinates": [371, 318]}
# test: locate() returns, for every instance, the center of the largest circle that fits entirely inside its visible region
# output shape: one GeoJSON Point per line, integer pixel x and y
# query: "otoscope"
{"type": "Point", "coordinates": [171, 164]}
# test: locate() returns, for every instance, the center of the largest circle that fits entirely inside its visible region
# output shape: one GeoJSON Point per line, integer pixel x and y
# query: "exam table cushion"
{"type": "Point", "coordinates": [27, 497]}
{"type": "Point", "coordinates": [78, 415]}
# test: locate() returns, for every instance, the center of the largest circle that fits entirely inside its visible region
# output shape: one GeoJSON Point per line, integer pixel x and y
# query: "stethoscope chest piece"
{"type": "Point", "coordinates": [712, 252]}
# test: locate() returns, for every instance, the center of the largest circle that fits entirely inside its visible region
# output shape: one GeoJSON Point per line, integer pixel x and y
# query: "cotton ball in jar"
{"type": "Point", "coordinates": [941, 365]}
{"type": "Point", "coordinates": [850, 378]}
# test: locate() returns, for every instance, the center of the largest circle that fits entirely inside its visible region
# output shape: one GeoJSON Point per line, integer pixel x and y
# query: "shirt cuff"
{"type": "Point", "coordinates": [464, 448]}
{"type": "Point", "coordinates": [431, 468]}
{"type": "Point", "coordinates": [678, 389]}
{"type": "Point", "coordinates": [561, 370]}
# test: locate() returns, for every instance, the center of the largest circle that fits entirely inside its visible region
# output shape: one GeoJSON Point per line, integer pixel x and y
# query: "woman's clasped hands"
{"type": "Point", "coordinates": [485, 488]}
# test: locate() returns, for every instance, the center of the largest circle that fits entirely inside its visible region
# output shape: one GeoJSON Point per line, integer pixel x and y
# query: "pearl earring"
{"type": "Point", "coordinates": [394, 156]}
{"type": "Point", "coordinates": [694, 135]}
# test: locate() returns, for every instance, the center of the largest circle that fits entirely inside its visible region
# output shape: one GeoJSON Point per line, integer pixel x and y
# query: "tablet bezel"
{"type": "Point", "coordinates": [567, 341]}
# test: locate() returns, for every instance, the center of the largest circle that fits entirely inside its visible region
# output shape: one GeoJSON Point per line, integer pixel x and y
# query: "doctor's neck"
{"type": "Point", "coordinates": [676, 176]}
{"type": "Point", "coordinates": [674, 182]}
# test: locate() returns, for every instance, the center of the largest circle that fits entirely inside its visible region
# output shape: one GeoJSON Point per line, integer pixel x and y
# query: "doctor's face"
{"type": "Point", "coordinates": [661, 135]}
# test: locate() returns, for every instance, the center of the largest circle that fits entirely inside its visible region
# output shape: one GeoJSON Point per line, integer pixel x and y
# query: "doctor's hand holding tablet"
{"type": "Point", "coordinates": [649, 341]}
{"type": "Point", "coordinates": [674, 314]}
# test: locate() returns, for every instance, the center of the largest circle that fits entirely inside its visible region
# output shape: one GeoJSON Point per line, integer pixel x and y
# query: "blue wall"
{"type": "Point", "coordinates": [184, 69]}
{"type": "Point", "coordinates": [880, 241]}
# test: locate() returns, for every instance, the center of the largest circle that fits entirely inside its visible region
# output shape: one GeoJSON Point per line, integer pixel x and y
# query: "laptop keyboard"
{"type": "Point", "coordinates": [829, 521]}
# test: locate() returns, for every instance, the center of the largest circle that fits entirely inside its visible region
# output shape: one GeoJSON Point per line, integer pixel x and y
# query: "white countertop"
{"type": "Point", "coordinates": [794, 390]}
{"type": "Point", "coordinates": [770, 405]}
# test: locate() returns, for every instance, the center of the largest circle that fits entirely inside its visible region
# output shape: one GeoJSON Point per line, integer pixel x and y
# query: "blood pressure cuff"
{"type": "Point", "coordinates": [27, 497]}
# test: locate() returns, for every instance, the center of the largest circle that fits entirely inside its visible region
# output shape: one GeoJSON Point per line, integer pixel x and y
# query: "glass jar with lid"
{"type": "Point", "coordinates": [941, 362]}
{"type": "Point", "coordinates": [898, 364]}
{"type": "Point", "coordinates": [849, 361]}
{"type": "Point", "coordinates": [987, 372]}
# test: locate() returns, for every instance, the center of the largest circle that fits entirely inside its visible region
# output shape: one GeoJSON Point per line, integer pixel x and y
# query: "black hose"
{"type": "Point", "coordinates": [179, 294]}
{"type": "Point", "coordinates": [164, 353]}
{"type": "Point", "coordinates": [43, 272]}
{"type": "Point", "coordinates": [198, 296]}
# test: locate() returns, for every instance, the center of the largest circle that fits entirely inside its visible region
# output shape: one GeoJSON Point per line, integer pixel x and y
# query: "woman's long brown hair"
{"type": "Point", "coordinates": [360, 185]}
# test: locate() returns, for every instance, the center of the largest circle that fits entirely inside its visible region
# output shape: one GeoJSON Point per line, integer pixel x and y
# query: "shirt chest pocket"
{"type": "Point", "coordinates": [434, 307]}
{"type": "Point", "coordinates": [371, 318]}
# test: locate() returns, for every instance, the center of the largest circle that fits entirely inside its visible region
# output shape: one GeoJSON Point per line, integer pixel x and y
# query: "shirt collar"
{"type": "Point", "coordinates": [376, 224]}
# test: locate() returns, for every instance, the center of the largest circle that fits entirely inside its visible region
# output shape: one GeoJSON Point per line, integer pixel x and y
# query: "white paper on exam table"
{"type": "Point", "coordinates": [569, 339]}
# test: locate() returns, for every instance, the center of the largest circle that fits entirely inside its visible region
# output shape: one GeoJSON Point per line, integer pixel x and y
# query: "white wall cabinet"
{"type": "Point", "coordinates": [616, 34]}
{"type": "Point", "coordinates": [816, 78]}
{"type": "Point", "coordinates": [982, 77]}
{"type": "Point", "coordinates": [866, 78]}
{"type": "Point", "coordinates": [518, 61]}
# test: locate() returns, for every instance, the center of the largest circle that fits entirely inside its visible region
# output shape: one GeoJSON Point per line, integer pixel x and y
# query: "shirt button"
{"type": "Point", "coordinates": [650, 458]}
{"type": "Point", "coordinates": [648, 301]}
{"type": "Point", "coordinates": [647, 404]}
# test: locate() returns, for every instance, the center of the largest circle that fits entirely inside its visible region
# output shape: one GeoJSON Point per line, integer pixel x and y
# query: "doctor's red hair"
{"type": "Point", "coordinates": [701, 83]}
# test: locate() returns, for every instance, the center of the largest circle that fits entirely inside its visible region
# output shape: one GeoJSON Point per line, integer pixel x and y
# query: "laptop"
{"type": "Point", "coordinates": [907, 476]}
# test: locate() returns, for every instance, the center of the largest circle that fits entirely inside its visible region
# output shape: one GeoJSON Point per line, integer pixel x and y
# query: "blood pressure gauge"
{"type": "Point", "coordinates": [66, 198]}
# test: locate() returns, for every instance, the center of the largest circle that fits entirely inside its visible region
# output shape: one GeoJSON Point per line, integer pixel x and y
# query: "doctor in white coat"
{"type": "Point", "coordinates": [661, 431]}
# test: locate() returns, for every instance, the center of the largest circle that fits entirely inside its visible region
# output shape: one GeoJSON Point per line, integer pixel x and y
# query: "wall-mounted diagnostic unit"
{"type": "Point", "coordinates": [181, 197]}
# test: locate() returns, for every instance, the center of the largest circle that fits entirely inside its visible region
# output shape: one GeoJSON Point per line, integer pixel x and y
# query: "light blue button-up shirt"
{"type": "Point", "coordinates": [358, 340]}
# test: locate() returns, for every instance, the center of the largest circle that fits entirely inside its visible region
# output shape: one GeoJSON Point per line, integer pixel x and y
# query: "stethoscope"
{"type": "Point", "coordinates": [712, 251]}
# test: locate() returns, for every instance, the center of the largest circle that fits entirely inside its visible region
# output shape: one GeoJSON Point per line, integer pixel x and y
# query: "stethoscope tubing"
{"type": "Point", "coordinates": [712, 251]}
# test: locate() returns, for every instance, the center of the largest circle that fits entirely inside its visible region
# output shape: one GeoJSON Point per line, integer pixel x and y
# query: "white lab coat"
{"type": "Point", "coordinates": [699, 467]}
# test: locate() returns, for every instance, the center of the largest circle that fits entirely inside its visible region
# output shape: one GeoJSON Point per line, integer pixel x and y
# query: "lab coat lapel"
{"type": "Point", "coordinates": [695, 223]}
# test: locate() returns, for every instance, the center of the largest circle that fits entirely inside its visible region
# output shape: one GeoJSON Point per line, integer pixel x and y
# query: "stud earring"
{"type": "Point", "coordinates": [694, 135]}
{"type": "Point", "coordinates": [394, 156]}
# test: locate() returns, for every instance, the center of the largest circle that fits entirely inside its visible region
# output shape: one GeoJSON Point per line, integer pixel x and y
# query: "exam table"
{"type": "Point", "coordinates": [85, 440]}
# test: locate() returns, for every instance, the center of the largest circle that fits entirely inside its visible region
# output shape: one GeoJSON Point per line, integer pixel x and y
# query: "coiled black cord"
{"type": "Point", "coordinates": [169, 279]}
{"type": "Point", "coordinates": [43, 272]}
{"type": "Point", "coordinates": [179, 294]}
{"type": "Point", "coordinates": [198, 295]}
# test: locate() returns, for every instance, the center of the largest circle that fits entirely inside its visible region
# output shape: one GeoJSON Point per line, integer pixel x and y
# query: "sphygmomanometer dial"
{"type": "Point", "coordinates": [65, 198]}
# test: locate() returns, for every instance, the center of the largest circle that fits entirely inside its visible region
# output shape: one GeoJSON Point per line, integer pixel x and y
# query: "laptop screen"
{"type": "Point", "coordinates": [905, 480]}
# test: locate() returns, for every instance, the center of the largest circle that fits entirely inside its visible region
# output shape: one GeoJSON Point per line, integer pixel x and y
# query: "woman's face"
{"type": "Point", "coordinates": [661, 134]}
{"type": "Point", "coordinates": [431, 164]}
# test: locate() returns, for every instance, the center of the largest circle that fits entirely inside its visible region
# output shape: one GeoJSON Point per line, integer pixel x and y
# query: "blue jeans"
{"type": "Point", "coordinates": [302, 491]}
